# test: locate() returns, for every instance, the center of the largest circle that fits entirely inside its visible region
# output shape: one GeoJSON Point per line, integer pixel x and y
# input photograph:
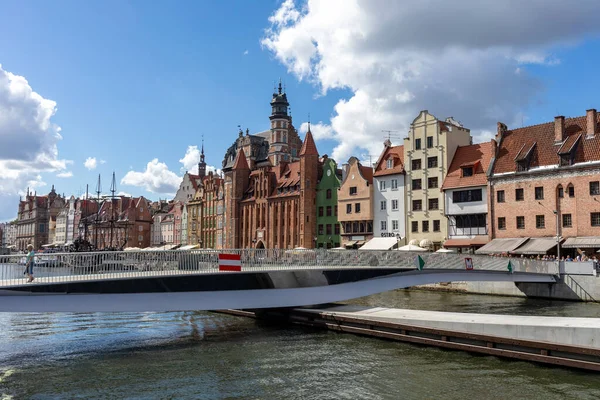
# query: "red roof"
{"type": "Point", "coordinates": [240, 161]}
{"type": "Point", "coordinates": [367, 173]}
{"type": "Point", "coordinates": [545, 152]}
{"type": "Point", "coordinates": [477, 156]}
{"type": "Point", "coordinates": [397, 154]}
{"type": "Point", "coordinates": [309, 147]}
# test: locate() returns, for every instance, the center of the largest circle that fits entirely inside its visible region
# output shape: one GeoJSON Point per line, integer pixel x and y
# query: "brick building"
{"type": "Point", "coordinates": [270, 185]}
{"type": "Point", "coordinates": [543, 174]}
{"type": "Point", "coordinates": [122, 222]}
{"type": "Point", "coordinates": [33, 220]}
{"type": "Point", "coordinates": [355, 204]}
{"type": "Point", "coordinates": [205, 214]}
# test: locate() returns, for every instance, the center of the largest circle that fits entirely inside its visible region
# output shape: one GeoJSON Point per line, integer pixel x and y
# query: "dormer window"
{"type": "Point", "coordinates": [524, 156]}
{"type": "Point", "coordinates": [467, 171]}
{"type": "Point", "coordinates": [566, 152]}
{"type": "Point", "coordinates": [390, 163]}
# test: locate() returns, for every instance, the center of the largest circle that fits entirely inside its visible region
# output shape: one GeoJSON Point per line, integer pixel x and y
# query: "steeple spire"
{"type": "Point", "coordinates": [279, 87]}
{"type": "Point", "coordinates": [202, 163]}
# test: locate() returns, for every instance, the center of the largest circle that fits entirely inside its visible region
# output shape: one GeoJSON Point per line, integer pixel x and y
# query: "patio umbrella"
{"type": "Point", "coordinates": [411, 247]}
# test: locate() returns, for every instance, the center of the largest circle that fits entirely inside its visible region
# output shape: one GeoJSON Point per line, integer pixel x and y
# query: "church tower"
{"type": "Point", "coordinates": [202, 163]}
{"type": "Point", "coordinates": [281, 123]}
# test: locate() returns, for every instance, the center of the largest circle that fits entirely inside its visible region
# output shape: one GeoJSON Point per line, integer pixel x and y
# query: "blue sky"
{"type": "Point", "coordinates": [135, 81]}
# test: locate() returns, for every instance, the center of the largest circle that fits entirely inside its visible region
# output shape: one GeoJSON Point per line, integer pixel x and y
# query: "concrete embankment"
{"type": "Point", "coordinates": [569, 287]}
{"type": "Point", "coordinates": [569, 342]}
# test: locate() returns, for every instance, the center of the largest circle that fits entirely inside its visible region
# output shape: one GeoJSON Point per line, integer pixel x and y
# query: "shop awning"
{"type": "Point", "coordinates": [473, 242]}
{"type": "Point", "coordinates": [501, 246]}
{"type": "Point", "coordinates": [537, 246]}
{"type": "Point", "coordinates": [381, 243]}
{"type": "Point", "coordinates": [582, 242]}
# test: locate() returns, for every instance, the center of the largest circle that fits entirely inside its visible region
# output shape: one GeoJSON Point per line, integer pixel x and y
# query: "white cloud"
{"type": "Point", "coordinates": [125, 194]}
{"type": "Point", "coordinates": [462, 58]}
{"type": "Point", "coordinates": [90, 163]}
{"type": "Point", "coordinates": [66, 174]}
{"type": "Point", "coordinates": [157, 178]}
{"type": "Point", "coordinates": [246, 52]}
{"type": "Point", "coordinates": [191, 159]}
{"type": "Point", "coordinates": [319, 130]}
{"type": "Point", "coordinates": [28, 140]}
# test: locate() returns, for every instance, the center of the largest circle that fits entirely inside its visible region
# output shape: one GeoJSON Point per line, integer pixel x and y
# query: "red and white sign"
{"type": "Point", "coordinates": [230, 262]}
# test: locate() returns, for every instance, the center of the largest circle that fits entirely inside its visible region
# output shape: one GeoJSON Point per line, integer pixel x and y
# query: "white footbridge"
{"type": "Point", "coordinates": [267, 278]}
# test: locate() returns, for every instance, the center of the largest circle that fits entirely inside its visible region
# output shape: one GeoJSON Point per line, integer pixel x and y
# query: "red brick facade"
{"type": "Point", "coordinates": [546, 168]}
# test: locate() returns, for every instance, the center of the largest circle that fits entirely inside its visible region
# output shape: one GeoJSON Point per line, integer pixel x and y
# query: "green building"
{"type": "Point", "coordinates": [328, 227]}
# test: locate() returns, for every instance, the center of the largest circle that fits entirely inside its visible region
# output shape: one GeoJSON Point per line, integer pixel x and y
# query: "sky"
{"type": "Point", "coordinates": [135, 87]}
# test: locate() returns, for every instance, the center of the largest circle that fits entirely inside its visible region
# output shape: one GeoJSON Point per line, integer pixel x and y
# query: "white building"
{"type": "Point", "coordinates": [156, 238]}
{"type": "Point", "coordinates": [61, 225]}
{"type": "Point", "coordinates": [71, 229]}
{"type": "Point", "coordinates": [389, 194]}
{"type": "Point", "coordinates": [466, 198]}
{"type": "Point", "coordinates": [184, 226]}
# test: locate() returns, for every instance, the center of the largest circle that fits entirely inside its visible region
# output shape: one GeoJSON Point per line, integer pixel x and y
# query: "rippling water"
{"type": "Point", "coordinates": [201, 355]}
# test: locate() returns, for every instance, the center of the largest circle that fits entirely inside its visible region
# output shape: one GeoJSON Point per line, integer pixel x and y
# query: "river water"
{"type": "Point", "coordinates": [201, 355]}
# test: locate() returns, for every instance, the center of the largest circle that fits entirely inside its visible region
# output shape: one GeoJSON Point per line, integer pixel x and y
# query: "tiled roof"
{"type": "Point", "coordinates": [309, 147]}
{"type": "Point", "coordinates": [545, 152]}
{"type": "Point", "coordinates": [397, 153]}
{"type": "Point", "coordinates": [476, 155]}
{"type": "Point", "coordinates": [367, 173]}
{"type": "Point", "coordinates": [240, 161]}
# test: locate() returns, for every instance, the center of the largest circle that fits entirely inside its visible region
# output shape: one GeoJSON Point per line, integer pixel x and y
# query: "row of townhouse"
{"type": "Point", "coordinates": [524, 192]}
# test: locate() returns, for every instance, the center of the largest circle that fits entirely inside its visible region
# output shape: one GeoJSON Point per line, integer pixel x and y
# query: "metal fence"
{"type": "Point", "coordinates": [66, 267]}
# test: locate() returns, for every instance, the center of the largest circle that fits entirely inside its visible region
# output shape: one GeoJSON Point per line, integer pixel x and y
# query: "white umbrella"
{"type": "Point", "coordinates": [411, 247]}
{"type": "Point", "coordinates": [442, 250]}
{"type": "Point", "coordinates": [414, 242]}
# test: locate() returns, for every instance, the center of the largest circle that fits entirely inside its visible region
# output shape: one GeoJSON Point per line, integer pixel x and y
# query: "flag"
{"type": "Point", "coordinates": [510, 267]}
{"type": "Point", "coordinates": [230, 262]}
{"type": "Point", "coordinates": [419, 263]}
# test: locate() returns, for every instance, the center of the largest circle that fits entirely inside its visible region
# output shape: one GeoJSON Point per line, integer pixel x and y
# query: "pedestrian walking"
{"type": "Point", "coordinates": [29, 261]}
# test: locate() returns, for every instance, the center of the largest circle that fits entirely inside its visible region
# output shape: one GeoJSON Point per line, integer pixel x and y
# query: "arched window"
{"type": "Point", "coordinates": [560, 192]}
{"type": "Point", "coordinates": [328, 193]}
{"type": "Point", "coordinates": [571, 190]}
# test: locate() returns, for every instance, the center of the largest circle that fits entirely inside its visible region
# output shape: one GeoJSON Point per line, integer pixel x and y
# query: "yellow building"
{"type": "Point", "coordinates": [428, 152]}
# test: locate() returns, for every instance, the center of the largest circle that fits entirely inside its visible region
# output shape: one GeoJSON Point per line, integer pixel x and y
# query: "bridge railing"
{"type": "Point", "coordinates": [65, 267]}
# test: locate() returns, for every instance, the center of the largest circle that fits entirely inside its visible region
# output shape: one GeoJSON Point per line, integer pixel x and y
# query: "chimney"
{"type": "Point", "coordinates": [559, 128]}
{"type": "Point", "coordinates": [591, 122]}
{"type": "Point", "coordinates": [501, 130]}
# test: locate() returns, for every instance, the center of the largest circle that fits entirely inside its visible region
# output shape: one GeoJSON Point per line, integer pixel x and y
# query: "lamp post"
{"type": "Point", "coordinates": [557, 236]}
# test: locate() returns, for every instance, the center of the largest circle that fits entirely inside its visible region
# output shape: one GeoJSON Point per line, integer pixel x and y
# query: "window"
{"type": "Point", "coordinates": [595, 188]}
{"type": "Point", "coordinates": [416, 164]}
{"type": "Point", "coordinates": [436, 225]}
{"type": "Point", "coordinates": [561, 192]}
{"type": "Point", "coordinates": [567, 221]}
{"type": "Point", "coordinates": [384, 225]}
{"type": "Point", "coordinates": [394, 205]}
{"type": "Point", "coordinates": [394, 184]}
{"type": "Point", "coordinates": [417, 205]}
{"type": "Point", "coordinates": [432, 162]}
{"type": "Point", "coordinates": [540, 222]}
{"type": "Point", "coordinates": [353, 190]}
{"type": "Point", "coordinates": [501, 223]}
{"type": "Point", "coordinates": [389, 163]}
{"type": "Point", "coordinates": [328, 194]}
{"type": "Point", "coordinates": [357, 207]}
{"type": "Point", "coordinates": [329, 229]}
{"type": "Point", "coordinates": [381, 185]}
{"type": "Point", "coordinates": [394, 224]}
{"type": "Point", "coordinates": [140, 238]}
{"type": "Point", "coordinates": [348, 208]}
{"type": "Point", "coordinates": [432, 183]}
{"type": "Point", "coordinates": [320, 211]}
{"type": "Point", "coordinates": [465, 196]}
{"type": "Point", "coordinates": [433, 204]}
{"type": "Point", "coordinates": [429, 142]}
{"type": "Point", "coordinates": [595, 217]}
{"type": "Point", "coordinates": [571, 190]}
{"type": "Point", "coordinates": [140, 228]}
{"type": "Point", "coordinates": [417, 144]}
{"type": "Point", "coordinates": [328, 211]}
{"type": "Point", "coordinates": [337, 230]}
{"type": "Point", "coordinates": [383, 205]}
{"type": "Point", "coordinates": [539, 193]}
{"type": "Point", "coordinates": [414, 226]}
{"type": "Point", "coordinates": [500, 196]}
{"type": "Point", "coordinates": [425, 226]}
{"type": "Point", "coordinates": [521, 222]}
{"type": "Point", "coordinates": [320, 229]}
{"type": "Point", "coordinates": [467, 171]}
{"type": "Point", "coordinates": [416, 184]}
{"type": "Point", "coordinates": [335, 211]}
{"type": "Point", "coordinates": [519, 195]}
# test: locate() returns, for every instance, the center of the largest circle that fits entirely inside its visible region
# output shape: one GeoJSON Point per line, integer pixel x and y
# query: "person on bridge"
{"type": "Point", "coordinates": [29, 263]}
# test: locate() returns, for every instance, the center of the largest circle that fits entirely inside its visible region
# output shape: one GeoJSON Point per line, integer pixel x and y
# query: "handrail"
{"type": "Point", "coordinates": [65, 267]}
